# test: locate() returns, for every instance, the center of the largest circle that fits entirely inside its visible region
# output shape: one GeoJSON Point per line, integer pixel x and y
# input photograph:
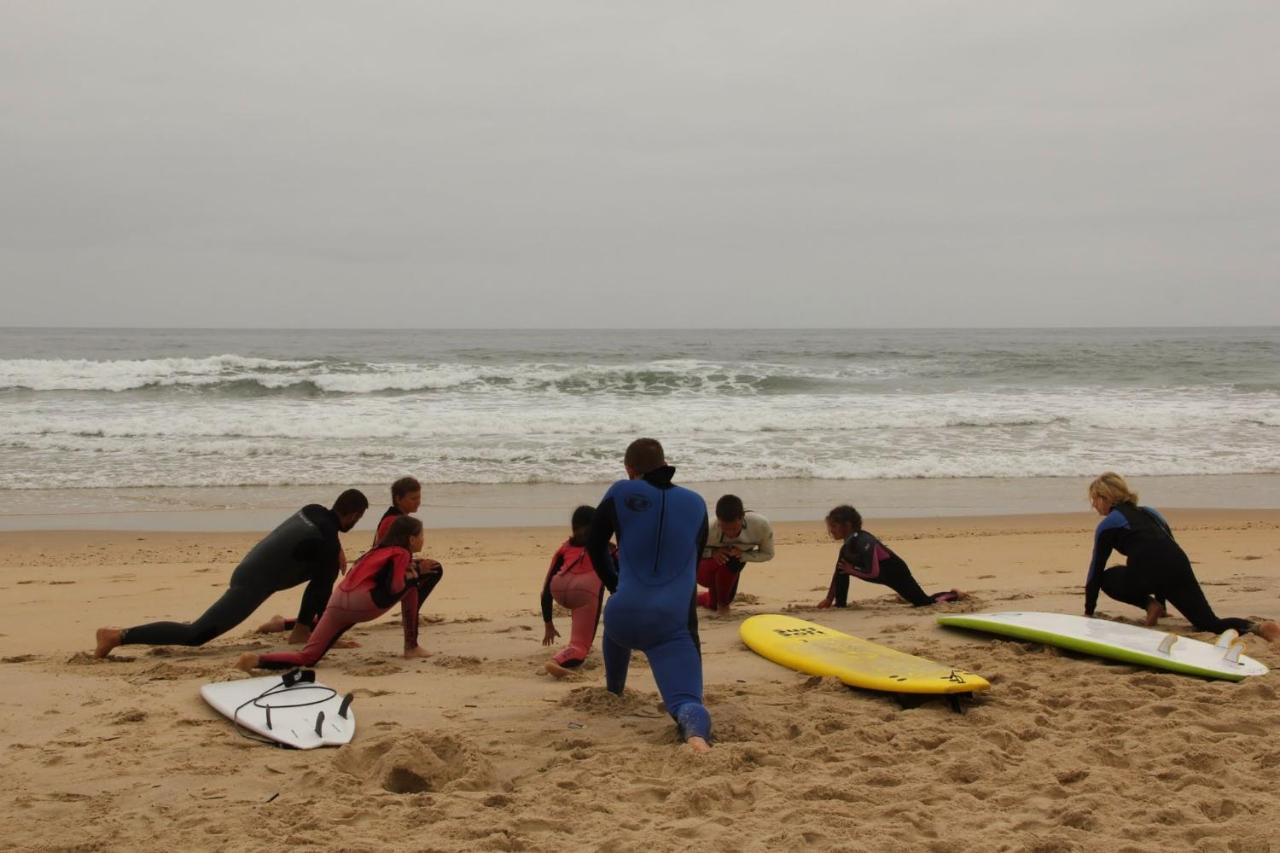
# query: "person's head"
{"type": "Point", "coordinates": [643, 455]}
{"type": "Point", "coordinates": [349, 506]}
{"type": "Point", "coordinates": [843, 522]}
{"type": "Point", "coordinates": [1107, 491]}
{"type": "Point", "coordinates": [406, 495]}
{"type": "Point", "coordinates": [405, 532]}
{"type": "Point", "coordinates": [581, 522]}
{"type": "Point", "coordinates": [730, 513]}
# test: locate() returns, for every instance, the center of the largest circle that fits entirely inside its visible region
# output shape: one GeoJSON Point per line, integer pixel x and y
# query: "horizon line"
{"type": "Point", "coordinates": [735, 328]}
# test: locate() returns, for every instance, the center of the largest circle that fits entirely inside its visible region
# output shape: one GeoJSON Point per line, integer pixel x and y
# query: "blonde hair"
{"type": "Point", "coordinates": [1112, 488]}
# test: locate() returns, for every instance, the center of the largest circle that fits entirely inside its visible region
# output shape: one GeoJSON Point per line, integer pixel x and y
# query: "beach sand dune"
{"type": "Point", "coordinates": [477, 749]}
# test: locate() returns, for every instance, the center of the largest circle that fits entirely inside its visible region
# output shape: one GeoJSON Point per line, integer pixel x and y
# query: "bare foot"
{"type": "Point", "coordinates": [1269, 631]}
{"type": "Point", "coordinates": [960, 594]}
{"type": "Point", "coordinates": [722, 612]}
{"type": "Point", "coordinates": [698, 745]}
{"type": "Point", "coordinates": [346, 643]}
{"type": "Point", "coordinates": [274, 625]}
{"type": "Point", "coordinates": [108, 639]}
{"type": "Point", "coordinates": [417, 652]}
{"type": "Point", "coordinates": [299, 635]}
{"type": "Point", "coordinates": [557, 670]}
{"type": "Point", "coordinates": [248, 662]}
{"type": "Point", "coordinates": [1154, 611]}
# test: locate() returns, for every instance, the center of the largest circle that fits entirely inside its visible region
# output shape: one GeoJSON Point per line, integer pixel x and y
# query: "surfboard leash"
{"type": "Point", "coordinates": [294, 680]}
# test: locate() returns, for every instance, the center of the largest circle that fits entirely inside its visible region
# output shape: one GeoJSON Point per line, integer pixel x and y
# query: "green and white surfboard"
{"type": "Point", "coordinates": [1118, 641]}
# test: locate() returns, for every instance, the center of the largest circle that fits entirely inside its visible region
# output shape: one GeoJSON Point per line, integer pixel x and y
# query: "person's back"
{"type": "Point", "coordinates": [659, 527]}
{"type": "Point", "coordinates": [661, 530]}
{"type": "Point", "coordinates": [290, 554]}
{"type": "Point", "coordinates": [1132, 528]}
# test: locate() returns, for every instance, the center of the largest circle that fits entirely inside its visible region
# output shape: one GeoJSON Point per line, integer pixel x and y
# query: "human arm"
{"type": "Point", "coordinates": [831, 588]}
{"type": "Point", "coordinates": [846, 560]}
{"type": "Point", "coordinates": [763, 551]}
{"type": "Point", "coordinates": [1102, 546]}
{"type": "Point", "coordinates": [703, 531]}
{"type": "Point", "coordinates": [556, 562]}
{"type": "Point", "coordinates": [327, 564]}
{"type": "Point", "coordinates": [603, 527]}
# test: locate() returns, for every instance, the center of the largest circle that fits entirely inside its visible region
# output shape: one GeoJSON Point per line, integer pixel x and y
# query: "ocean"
{"type": "Point", "coordinates": [86, 409]}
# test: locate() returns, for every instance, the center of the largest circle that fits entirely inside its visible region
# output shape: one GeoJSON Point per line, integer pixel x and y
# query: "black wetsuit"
{"type": "Point", "coordinates": [304, 549]}
{"type": "Point", "coordinates": [873, 562]}
{"type": "Point", "coordinates": [1157, 568]}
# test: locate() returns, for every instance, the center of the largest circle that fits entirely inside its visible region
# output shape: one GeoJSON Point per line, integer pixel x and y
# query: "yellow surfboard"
{"type": "Point", "coordinates": [813, 649]}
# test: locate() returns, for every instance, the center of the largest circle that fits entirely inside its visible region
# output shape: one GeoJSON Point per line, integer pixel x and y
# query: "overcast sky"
{"type": "Point", "coordinates": [721, 164]}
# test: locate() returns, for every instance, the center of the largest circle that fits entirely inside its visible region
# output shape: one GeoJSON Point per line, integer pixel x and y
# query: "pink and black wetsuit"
{"type": "Point", "coordinates": [384, 524]}
{"type": "Point", "coordinates": [572, 582]}
{"type": "Point", "coordinates": [419, 588]}
{"type": "Point", "coordinates": [872, 561]}
{"type": "Point", "coordinates": [372, 587]}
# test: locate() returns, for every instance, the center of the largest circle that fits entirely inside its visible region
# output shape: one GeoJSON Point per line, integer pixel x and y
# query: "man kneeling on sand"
{"type": "Point", "coordinates": [304, 549]}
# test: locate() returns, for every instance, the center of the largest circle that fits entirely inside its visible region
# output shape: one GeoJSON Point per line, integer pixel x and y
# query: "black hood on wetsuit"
{"type": "Point", "coordinates": [660, 477]}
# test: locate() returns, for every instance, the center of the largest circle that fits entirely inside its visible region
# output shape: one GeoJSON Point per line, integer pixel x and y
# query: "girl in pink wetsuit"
{"type": "Point", "coordinates": [572, 582]}
{"type": "Point", "coordinates": [374, 584]}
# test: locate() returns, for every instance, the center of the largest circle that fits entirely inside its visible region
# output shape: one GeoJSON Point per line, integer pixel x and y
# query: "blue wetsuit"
{"type": "Point", "coordinates": [661, 530]}
{"type": "Point", "coordinates": [1157, 568]}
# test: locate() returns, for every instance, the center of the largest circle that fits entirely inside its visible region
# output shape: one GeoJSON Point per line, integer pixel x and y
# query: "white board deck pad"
{"type": "Point", "coordinates": [1119, 641]}
{"type": "Point", "coordinates": [291, 709]}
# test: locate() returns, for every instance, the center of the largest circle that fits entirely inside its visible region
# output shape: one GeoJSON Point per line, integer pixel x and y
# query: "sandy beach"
{"type": "Point", "coordinates": [476, 749]}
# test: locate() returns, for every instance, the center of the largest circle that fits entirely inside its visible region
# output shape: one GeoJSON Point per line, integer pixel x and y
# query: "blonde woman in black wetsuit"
{"type": "Point", "coordinates": [1157, 571]}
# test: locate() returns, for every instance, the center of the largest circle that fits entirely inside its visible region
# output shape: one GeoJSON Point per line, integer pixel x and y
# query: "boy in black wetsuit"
{"type": "Point", "coordinates": [304, 549]}
{"type": "Point", "coordinates": [864, 556]}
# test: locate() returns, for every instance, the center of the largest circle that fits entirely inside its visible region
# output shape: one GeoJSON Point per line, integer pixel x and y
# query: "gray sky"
{"type": "Point", "coordinates": [643, 164]}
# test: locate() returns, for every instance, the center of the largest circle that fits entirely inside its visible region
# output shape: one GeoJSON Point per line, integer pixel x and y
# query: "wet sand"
{"type": "Point", "coordinates": [454, 505]}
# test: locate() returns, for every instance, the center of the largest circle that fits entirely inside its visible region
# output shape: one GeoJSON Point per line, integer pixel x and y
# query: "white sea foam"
{"type": "Point", "coordinates": [954, 407]}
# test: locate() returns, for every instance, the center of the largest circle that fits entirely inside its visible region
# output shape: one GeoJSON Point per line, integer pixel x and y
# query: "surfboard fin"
{"type": "Point", "coordinates": [346, 703]}
{"type": "Point", "coordinates": [1226, 638]}
{"type": "Point", "coordinates": [1166, 645]}
{"type": "Point", "coordinates": [1233, 652]}
{"type": "Point", "coordinates": [319, 723]}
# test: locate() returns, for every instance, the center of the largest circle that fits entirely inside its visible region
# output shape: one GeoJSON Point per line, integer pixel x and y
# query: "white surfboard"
{"type": "Point", "coordinates": [1118, 641]}
{"type": "Point", "coordinates": [292, 709]}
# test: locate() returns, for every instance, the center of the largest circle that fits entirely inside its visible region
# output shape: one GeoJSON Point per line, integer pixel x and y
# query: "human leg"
{"type": "Point", "coordinates": [415, 595]}
{"type": "Point", "coordinates": [617, 659]}
{"type": "Point", "coordinates": [235, 606]}
{"type": "Point", "coordinates": [895, 574]}
{"type": "Point", "coordinates": [707, 571]}
{"type": "Point", "coordinates": [338, 617]}
{"type": "Point", "coordinates": [677, 670]}
{"type": "Point", "coordinates": [1180, 588]}
{"type": "Point", "coordinates": [582, 633]}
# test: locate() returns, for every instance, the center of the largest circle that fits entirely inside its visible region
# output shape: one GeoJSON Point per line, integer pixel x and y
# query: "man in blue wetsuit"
{"type": "Point", "coordinates": [661, 530]}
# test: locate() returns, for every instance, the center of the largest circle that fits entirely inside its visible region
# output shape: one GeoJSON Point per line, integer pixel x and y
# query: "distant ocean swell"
{"type": "Point", "coordinates": [244, 420]}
